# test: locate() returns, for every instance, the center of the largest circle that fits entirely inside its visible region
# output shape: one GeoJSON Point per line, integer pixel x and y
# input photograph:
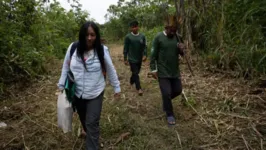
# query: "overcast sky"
{"type": "Point", "coordinates": [96, 8]}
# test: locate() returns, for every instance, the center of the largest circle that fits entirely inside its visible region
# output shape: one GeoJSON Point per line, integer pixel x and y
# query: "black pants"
{"type": "Point", "coordinates": [135, 69]}
{"type": "Point", "coordinates": [170, 88]}
{"type": "Point", "coordinates": [89, 112]}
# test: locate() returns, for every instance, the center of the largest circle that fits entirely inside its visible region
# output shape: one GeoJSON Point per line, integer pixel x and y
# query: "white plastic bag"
{"type": "Point", "coordinates": [64, 113]}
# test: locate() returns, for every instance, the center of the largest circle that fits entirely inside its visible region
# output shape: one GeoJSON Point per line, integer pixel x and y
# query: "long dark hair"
{"type": "Point", "coordinates": [97, 45]}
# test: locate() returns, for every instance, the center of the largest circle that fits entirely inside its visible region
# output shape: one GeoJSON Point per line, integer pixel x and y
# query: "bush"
{"type": "Point", "coordinates": [30, 32]}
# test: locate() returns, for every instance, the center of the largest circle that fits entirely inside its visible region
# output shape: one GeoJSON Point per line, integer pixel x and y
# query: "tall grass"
{"type": "Point", "coordinates": [231, 35]}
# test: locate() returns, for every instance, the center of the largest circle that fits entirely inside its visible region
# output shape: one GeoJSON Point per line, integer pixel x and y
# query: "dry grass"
{"type": "Point", "coordinates": [218, 114]}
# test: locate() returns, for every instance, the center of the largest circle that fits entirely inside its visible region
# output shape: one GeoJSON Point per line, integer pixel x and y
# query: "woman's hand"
{"type": "Point", "coordinates": [59, 91]}
{"type": "Point", "coordinates": [117, 95]}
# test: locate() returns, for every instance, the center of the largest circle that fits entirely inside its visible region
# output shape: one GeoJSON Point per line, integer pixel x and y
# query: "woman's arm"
{"type": "Point", "coordinates": [65, 69]}
{"type": "Point", "coordinates": [111, 72]}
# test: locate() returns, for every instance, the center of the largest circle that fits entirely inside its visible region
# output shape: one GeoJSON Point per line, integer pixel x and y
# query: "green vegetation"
{"type": "Point", "coordinates": [229, 35]}
{"type": "Point", "coordinates": [32, 32]}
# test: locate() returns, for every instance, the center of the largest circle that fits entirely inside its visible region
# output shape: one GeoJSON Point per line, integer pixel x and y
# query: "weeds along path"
{"type": "Point", "coordinates": [218, 114]}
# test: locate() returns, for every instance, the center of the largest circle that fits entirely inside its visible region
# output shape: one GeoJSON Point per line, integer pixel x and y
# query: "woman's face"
{"type": "Point", "coordinates": [91, 36]}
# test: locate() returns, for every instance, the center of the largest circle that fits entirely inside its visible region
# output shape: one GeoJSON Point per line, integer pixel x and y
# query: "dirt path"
{"type": "Point", "coordinates": [219, 114]}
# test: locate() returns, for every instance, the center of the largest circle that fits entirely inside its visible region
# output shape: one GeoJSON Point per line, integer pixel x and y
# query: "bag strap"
{"type": "Point", "coordinates": [103, 71]}
{"type": "Point", "coordinates": [73, 48]}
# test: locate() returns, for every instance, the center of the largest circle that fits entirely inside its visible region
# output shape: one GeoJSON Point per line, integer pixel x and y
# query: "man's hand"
{"type": "Point", "coordinates": [182, 48]}
{"type": "Point", "coordinates": [153, 75]}
{"type": "Point", "coordinates": [126, 62]}
{"type": "Point", "coordinates": [144, 58]}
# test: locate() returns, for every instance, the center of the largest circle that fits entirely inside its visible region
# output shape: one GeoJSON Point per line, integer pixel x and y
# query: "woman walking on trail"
{"type": "Point", "coordinates": [89, 63]}
{"type": "Point", "coordinates": [134, 53]}
{"type": "Point", "coordinates": [165, 66]}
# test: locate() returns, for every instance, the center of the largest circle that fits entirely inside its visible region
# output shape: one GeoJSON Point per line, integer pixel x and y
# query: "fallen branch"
{"type": "Point", "coordinates": [130, 106]}
{"type": "Point", "coordinates": [257, 96]}
{"type": "Point", "coordinates": [247, 103]}
{"type": "Point", "coordinates": [237, 116]}
{"type": "Point", "coordinates": [81, 145]}
{"type": "Point", "coordinates": [157, 117]}
{"type": "Point", "coordinates": [37, 123]}
{"type": "Point", "coordinates": [122, 137]}
{"type": "Point", "coordinates": [41, 89]}
{"type": "Point", "coordinates": [183, 93]}
{"type": "Point", "coordinates": [261, 144]}
{"type": "Point", "coordinates": [245, 141]}
{"type": "Point", "coordinates": [178, 137]}
{"type": "Point", "coordinates": [208, 145]}
{"type": "Point", "coordinates": [258, 133]}
{"type": "Point", "coordinates": [33, 95]}
{"type": "Point", "coordinates": [75, 143]}
{"type": "Point", "coordinates": [9, 142]}
{"type": "Point", "coordinates": [188, 64]}
{"type": "Point", "coordinates": [24, 142]}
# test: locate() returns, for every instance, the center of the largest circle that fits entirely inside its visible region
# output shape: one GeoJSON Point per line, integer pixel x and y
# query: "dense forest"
{"type": "Point", "coordinates": [227, 35]}
{"type": "Point", "coordinates": [32, 33]}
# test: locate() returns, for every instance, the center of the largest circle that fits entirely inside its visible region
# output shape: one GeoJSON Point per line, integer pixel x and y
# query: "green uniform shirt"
{"type": "Point", "coordinates": [165, 56]}
{"type": "Point", "coordinates": [134, 47]}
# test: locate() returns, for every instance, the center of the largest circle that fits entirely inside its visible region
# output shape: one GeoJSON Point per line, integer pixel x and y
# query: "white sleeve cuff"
{"type": "Point", "coordinates": [117, 89]}
{"type": "Point", "coordinates": [61, 87]}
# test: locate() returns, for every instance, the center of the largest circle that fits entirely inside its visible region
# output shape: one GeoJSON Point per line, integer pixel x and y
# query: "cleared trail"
{"type": "Point", "coordinates": [218, 114]}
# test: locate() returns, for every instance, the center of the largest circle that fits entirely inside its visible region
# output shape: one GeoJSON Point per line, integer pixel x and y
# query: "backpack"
{"type": "Point", "coordinates": [73, 48]}
{"type": "Point", "coordinates": [70, 85]}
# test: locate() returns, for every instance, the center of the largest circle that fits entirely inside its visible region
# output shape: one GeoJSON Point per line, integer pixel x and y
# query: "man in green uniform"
{"type": "Point", "coordinates": [164, 66]}
{"type": "Point", "coordinates": [134, 53]}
